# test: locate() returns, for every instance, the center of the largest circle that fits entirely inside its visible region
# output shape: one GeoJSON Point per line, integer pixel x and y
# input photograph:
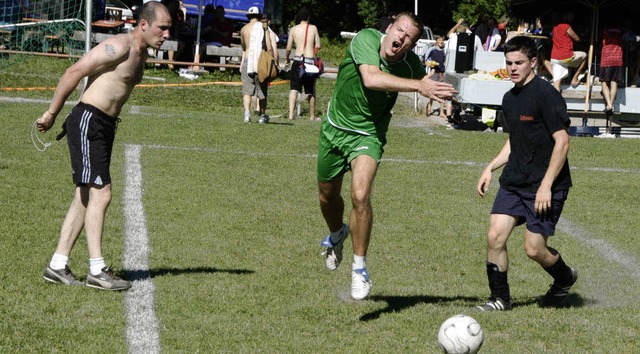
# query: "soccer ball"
{"type": "Point", "coordinates": [460, 334]}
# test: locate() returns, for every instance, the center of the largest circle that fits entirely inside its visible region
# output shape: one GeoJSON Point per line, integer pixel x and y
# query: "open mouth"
{"type": "Point", "coordinates": [396, 45]}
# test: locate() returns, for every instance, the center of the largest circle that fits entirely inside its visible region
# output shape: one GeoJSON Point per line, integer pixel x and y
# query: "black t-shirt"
{"type": "Point", "coordinates": [533, 113]}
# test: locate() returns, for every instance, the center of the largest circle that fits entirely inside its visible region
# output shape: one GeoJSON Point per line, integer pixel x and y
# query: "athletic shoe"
{"type": "Point", "coordinates": [263, 119]}
{"type": "Point", "coordinates": [107, 280]}
{"type": "Point", "coordinates": [495, 305]}
{"type": "Point", "coordinates": [61, 276]}
{"type": "Point", "coordinates": [558, 292]}
{"type": "Point", "coordinates": [333, 253]}
{"type": "Point", "coordinates": [247, 119]}
{"type": "Point", "coordinates": [360, 284]}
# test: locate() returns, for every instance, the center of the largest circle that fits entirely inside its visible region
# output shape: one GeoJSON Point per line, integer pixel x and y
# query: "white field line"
{"type": "Point", "coordinates": [604, 248]}
{"type": "Point", "coordinates": [142, 324]}
{"type": "Point", "coordinates": [433, 162]}
{"type": "Point", "coordinates": [142, 331]}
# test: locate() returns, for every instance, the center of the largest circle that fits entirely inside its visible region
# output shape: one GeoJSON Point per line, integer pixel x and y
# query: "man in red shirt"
{"type": "Point", "coordinates": [562, 55]}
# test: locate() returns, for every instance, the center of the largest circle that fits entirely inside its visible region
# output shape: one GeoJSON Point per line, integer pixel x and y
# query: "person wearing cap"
{"type": "Point", "coordinates": [273, 49]}
{"type": "Point", "coordinates": [251, 39]}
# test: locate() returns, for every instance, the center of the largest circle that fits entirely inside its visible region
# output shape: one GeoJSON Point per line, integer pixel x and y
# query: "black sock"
{"type": "Point", "coordinates": [498, 283]}
{"type": "Point", "coordinates": [560, 272]}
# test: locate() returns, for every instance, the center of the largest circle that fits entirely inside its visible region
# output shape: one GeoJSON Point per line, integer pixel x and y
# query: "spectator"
{"type": "Point", "coordinates": [611, 65]}
{"type": "Point", "coordinates": [207, 23]}
{"type": "Point", "coordinates": [272, 37]}
{"type": "Point", "coordinates": [632, 52]}
{"type": "Point", "coordinates": [222, 27]}
{"type": "Point", "coordinates": [502, 32]}
{"type": "Point", "coordinates": [461, 27]}
{"type": "Point", "coordinates": [563, 56]}
{"type": "Point", "coordinates": [177, 31]}
{"type": "Point", "coordinates": [252, 39]}
{"type": "Point", "coordinates": [353, 134]}
{"type": "Point", "coordinates": [113, 68]}
{"type": "Point", "coordinates": [306, 40]}
{"type": "Point", "coordinates": [434, 60]}
{"type": "Point", "coordinates": [482, 30]}
{"type": "Point", "coordinates": [493, 36]}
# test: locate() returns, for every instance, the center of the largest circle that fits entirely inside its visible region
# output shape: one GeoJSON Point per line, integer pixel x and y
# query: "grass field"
{"type": "Point", "coordinates": [218, 224]}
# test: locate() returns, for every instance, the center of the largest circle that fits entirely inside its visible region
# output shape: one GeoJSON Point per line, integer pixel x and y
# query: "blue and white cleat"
{"type": "Point", "coordinates": [360, 284]}
{"type": "Point", "coordinates": [333, 253]}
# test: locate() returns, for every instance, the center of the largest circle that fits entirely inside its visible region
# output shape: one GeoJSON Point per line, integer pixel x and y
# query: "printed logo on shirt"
{"type": "Point", "coordinates": [526, 118]}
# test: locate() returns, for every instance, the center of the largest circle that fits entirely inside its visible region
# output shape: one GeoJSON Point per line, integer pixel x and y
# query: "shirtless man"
{"type": "Point", "coordinates": [113, 68]}
{"type": "Point", "coordinates": [251, 86]}
{"type": "Point", "coordinates": [300, 34]}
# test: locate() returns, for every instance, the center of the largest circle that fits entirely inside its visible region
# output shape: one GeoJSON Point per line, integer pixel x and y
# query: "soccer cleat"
{"type": "Point", "coordinates": [495, 305]}
{"type": "Point", "coordinates": [333, 253]}
{"type": "Point", "coordinates": [360, 284]}
{"type": "Point", "coordinates": [264, 119]}
{"type": "Point", "coordinates": [107, 280]}
{"type": "Point", "coordinates": [558, 292]}
{"type": "Point", "coordinates": [247, 119]}
{"type": "Point", "coordinates": [61, 276]}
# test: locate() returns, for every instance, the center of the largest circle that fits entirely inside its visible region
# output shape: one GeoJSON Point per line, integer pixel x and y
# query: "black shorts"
{"type": "Point", "coordinates": [308, 82]}
{"type": "Point", "coordinates": [90, 135]}
{"type": "Point", "coordinates": [522, 206]}
{"type": "Point", "coordinates": [611, 73]}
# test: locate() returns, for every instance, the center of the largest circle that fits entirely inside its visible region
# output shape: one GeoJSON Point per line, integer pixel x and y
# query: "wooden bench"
{"type": "Point", "coordinates": [234, 53]}
{"type": "Point", "coordinates": [97, 37]}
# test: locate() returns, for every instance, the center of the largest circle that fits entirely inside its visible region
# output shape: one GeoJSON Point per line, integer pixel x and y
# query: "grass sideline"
{"type": "Point", "coordinates": [234, 229]}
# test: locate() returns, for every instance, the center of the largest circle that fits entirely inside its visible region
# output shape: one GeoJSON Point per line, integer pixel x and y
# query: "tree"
{"type": "Point", "coordinates": [473, 10]}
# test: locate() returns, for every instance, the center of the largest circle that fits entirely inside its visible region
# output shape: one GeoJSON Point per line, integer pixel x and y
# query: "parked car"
{"type": "Point", "coordinates": [118, 5]}
{"type": "Point", "coordinates": [425, 42]}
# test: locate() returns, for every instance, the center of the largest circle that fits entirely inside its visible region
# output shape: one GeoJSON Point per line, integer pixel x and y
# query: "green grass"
{"type": "Point", "coordinates": [234, 229]}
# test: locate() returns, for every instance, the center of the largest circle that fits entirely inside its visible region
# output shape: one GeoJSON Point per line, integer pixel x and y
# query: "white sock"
{"type": "Point", "coordinates": [246, 113]}
{"type": "Point", "coordinates": [359, 262]}
{"type": "Point", "coordinates": [96, 265]}
{"type": "Point", "coordinates": [58, 261]}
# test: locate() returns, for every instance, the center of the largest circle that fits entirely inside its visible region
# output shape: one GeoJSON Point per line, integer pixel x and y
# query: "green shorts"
{"type": "Point", "coordinates": [337, 148]}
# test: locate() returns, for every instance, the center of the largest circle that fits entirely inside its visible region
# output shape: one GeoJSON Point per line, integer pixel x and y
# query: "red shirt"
{"type": "Point", "coordinates": [562, 43]}
{"type": "Point", "coordinates": [611, 47]}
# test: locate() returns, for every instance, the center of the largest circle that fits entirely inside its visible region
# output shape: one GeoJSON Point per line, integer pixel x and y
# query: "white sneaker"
{"type": "Point", "coordinates": [360, 284]}
{"type": "Point", "coordinates": [333, 253]}
{"type": "Point", "coordinates": [247, 119]}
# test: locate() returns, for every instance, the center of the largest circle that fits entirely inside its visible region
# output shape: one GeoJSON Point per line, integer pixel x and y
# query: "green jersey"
{"type": "Point", "coordinates": [356, 108]}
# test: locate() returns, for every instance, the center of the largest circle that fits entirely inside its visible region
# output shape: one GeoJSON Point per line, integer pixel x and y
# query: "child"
{"type": "Point", "coordinates": [434, 61]}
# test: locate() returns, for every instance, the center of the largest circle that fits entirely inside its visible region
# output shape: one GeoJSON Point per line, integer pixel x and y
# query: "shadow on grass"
{"type": "Point", "coordinates": [140, 274]}
{"type": "Point", "coordinates": [279, 123]}
{"type": "Point", "coordinates": [399, 303]}
{"type": "Point", "coordinates": [571, 301]}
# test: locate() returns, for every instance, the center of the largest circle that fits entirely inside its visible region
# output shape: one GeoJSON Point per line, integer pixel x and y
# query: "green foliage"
{"type": "Point", "coordinates": [333, 50]}
{"type": "Point", "coordinates": [474, 10]}
{"type": "Point", "coordinates": [370, 11]}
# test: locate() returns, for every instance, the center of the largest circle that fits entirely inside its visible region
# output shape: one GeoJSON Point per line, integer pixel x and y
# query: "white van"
{"type": "Point", "coordinates": [425, 42]}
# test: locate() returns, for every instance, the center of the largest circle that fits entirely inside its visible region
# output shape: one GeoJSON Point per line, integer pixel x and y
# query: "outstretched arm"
{"type": "Point", "coordinates": [376, 79]}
